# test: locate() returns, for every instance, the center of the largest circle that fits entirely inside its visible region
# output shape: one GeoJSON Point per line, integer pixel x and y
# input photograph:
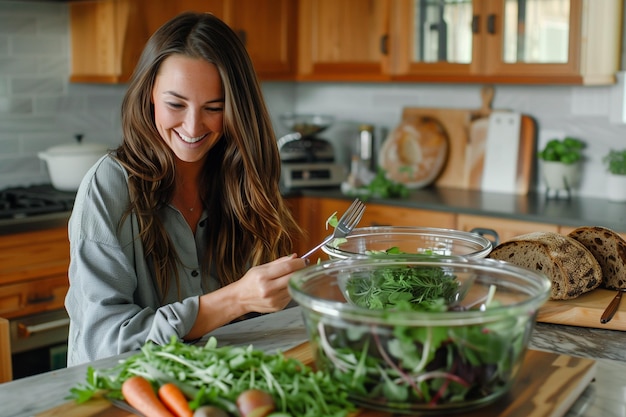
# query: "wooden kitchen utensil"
{"type": "Point", "coordinates": [477, 137]}
{"type": "Point", "coordinates": [455, 122]}
{"type": "Point", "coordinates": [612, 308]}
{"type": "Point", "coordinates": [415, 152]}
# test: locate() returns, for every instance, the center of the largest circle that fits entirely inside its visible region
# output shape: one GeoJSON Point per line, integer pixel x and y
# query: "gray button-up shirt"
{"type": "Point", "coordinates": [113, 301]}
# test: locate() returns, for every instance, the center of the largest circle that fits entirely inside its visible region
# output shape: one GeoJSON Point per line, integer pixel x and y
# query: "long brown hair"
{"type": "Point", "coordinates": [249, 221]}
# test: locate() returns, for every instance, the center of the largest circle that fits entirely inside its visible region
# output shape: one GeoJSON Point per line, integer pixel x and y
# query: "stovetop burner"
{"type": "Point", "coordinates": [18, 202]}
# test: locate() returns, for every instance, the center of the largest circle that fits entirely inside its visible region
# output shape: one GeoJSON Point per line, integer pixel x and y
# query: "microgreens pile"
{"type": "Point", "coordinates": [214, 375]}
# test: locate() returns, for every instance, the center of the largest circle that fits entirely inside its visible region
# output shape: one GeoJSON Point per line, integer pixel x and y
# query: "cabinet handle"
{"type": "Point", "coordinates": [243, 36]}
{"type": "Point", "coordinates": [475, 24]}
{"type": "Point", "coordinates": [39, 300]}
{"type": "Point", "coordinates": [24, 331]}
{"type": "Point", "coordinates": [384, 40]}
{"type": "Point", "coordinates": [491, 24]}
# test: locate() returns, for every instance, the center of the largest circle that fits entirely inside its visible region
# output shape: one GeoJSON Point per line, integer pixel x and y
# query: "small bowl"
{"type": "Point", "coordinates": [306, 124]}
{"type": "Point", "coordinates": [458, 358]}
{"type": "Point", "coordinates": [410, 240]}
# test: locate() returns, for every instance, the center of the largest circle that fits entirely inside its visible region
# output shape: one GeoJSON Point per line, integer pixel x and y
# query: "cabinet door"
{"type": "Point", "coordinates": [438, 39]}
{"type": "Point", "coordinates": [535, 38]}
{"type": "Point", "coordinates": [105, 45]}
{"type": "Point", "coordinates": [557, 41]}
{"type": "Point", "coordinates": [268, 29]}
{"type": "Point", "coordinates": [508, 41]}
{"type": "Point", "coordinates": [108, 36]}
{"type": "Point", "coordinates": [505, 228]}
{"type": "Point", "coordinates": [343, 40]}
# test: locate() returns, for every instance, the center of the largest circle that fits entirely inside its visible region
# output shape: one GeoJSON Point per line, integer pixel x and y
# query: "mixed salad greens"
{"type": "Point", "coordinates": [394, 367]}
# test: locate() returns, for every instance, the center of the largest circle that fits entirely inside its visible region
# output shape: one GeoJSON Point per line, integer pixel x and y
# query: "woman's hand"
{"type": "Point", "coordinates": [263, 289]}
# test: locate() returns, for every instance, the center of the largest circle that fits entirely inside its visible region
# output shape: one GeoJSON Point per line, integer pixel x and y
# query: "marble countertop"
{"type": "Point", "coordinates": [281, 331]}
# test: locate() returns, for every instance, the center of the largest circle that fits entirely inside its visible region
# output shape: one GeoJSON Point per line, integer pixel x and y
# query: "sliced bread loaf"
{"type": "Point", "coordinates": [571, 267]}
{"type": "Point", "coordinates": [609, 248]}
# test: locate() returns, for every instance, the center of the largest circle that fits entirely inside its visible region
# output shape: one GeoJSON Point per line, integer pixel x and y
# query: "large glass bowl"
{"type": "Point", "coordinates": [399, 361]}
{"type": "Point", "coordinates": [410, 240]}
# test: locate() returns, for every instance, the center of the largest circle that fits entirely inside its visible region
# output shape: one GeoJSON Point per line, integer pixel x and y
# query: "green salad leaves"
{"type": "Point", "coordinates": [388, 365]}
{"type": "Point", "coordinates": [403, 288]}
{"type": "Point", "coordinates": [213, 375]}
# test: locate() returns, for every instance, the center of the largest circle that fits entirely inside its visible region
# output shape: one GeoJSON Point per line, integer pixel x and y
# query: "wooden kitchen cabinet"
{"type": "Point", "coordinates": [507, 41]}
{"type": "Point", "coordinates": [343, 40]}
{"type": "Point", "coordinates": [573, 42]}
{"type": "Point", "coordinates": [505, 228]}
{"type": "Point", "coordinates": [108, 36]}
{"type": "Point", "coordinates": [33, 272]}
{"type": "Point", "coordinates": [268, 28]}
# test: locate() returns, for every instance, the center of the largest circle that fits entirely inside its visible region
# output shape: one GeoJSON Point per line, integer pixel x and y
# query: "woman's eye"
{"type": "Point", "coordinates": [175, 105]}
{"type": "Point", "coordinates": [215, 109]}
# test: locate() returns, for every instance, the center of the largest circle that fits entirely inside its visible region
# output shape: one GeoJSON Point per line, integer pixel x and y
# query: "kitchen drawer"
{"type": "Point", "coordinates": [33, 296]}
{"type": "Point", "coordinates": [34, 255]}
{"type": "Point", "coordinates": [382, 215]}
{"type": "Point", "coordinates": [505, 228]}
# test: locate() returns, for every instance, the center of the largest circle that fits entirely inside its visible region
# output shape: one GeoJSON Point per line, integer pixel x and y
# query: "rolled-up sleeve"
{"type": "Point", "coordinates": [113, 302]}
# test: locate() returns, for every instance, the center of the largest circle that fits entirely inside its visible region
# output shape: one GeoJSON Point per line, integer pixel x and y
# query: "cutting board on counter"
{"type": "Point", "coordinates": [476, 138]}
{"type": "Point", "coordinates": [547, 386]}
{"type": "Point", "coordinates": [584, 311]}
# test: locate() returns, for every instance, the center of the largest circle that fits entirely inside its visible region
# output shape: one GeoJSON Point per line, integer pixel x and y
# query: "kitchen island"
{"type": "Point", "coordinates": [604, 397]}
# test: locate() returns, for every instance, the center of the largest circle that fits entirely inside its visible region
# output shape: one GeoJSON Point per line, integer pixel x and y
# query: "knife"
{"type": "Point", "coordinates": [612, 308]}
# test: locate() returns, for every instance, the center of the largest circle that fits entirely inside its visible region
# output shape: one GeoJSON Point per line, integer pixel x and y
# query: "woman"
{"type": "Point", "coordinates": [178, 231]}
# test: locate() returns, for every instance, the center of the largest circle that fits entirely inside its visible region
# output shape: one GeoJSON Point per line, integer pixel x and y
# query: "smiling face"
{"type": "Point", "coordinates": [188, 106]}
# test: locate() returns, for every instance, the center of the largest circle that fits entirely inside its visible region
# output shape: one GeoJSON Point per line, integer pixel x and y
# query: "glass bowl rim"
{"type": "Point", "coordinates": [460, 235]}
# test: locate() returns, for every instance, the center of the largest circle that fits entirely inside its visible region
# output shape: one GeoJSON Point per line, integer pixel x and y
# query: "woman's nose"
{"type": "Point", "coordinates": [194, 124]}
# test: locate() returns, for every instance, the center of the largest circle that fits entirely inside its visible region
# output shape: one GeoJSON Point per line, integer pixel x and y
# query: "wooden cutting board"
{"type": "Point", "coordinates": [547, 386]}
{"type": "Point", "coordinates": [467, 131]}
{"type": "Point", "coordinates": [477, 138]}
{"type": "Point", "coordinates": [584, 311]}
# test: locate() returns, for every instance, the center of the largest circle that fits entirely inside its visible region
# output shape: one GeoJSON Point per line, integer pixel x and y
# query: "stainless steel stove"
{"type": "Point", "coordinates": [19, 202]}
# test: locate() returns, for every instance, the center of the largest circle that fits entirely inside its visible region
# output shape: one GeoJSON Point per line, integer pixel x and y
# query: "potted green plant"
{"type": "Point", "coordinates": [615, 162]}
{"type": "Point", "coordinates": [561, 161]}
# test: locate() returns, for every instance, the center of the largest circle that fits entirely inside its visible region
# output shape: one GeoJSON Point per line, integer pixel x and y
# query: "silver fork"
{"type": "Point", "coordinates": [346, 224]}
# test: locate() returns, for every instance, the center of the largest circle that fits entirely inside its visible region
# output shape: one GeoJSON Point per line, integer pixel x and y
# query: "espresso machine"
{"type": "Point", "coordinates": [307, 160]}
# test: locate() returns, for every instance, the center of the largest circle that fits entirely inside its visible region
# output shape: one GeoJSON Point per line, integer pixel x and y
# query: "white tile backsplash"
{"type": "Point", "coordinates": [39, 108]}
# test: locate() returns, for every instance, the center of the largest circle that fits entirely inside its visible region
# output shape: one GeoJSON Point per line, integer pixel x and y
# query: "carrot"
{"type": "Point", "coordinates": [175, 400]}
{"type": "Point", "coordinates": [138, 392]}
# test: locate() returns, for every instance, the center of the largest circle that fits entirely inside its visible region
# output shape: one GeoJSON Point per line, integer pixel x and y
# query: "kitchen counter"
{"type": "Point", "coordinates": [533, 207]}
{"type": "Point", "coordinates": [283, 330]}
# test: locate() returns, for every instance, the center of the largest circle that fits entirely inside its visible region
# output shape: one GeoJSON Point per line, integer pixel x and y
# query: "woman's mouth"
{"type": "Point", "coordinates": [190, 139]}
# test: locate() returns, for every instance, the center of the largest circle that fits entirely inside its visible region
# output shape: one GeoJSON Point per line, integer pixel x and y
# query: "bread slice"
{"type": "Point", "coordinates": [571, 267]}
{"type": "Point", "coordinates": [609, 248]}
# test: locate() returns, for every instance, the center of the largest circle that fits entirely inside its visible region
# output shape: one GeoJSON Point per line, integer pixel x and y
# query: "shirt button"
{"type": "Point", "coordinates": [195, 273]}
